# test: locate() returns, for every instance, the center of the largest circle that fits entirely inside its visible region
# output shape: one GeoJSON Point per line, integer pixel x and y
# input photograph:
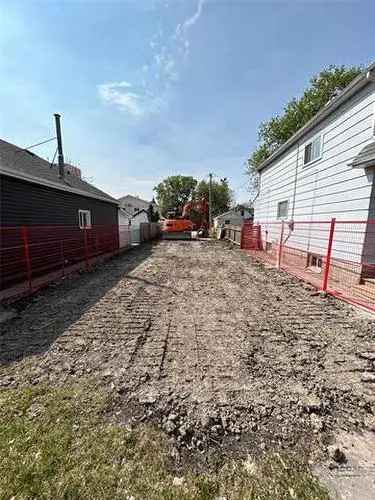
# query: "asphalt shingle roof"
{"type": "Point", "coordinates": [25, 164]}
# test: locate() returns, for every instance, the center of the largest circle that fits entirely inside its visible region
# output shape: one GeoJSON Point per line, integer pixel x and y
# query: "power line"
{"type": "Point", "coordinates": [40, 143]}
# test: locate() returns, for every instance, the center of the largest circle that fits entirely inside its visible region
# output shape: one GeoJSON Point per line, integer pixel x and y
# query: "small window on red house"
{"type": "Point", "coordinates": [84, 219]}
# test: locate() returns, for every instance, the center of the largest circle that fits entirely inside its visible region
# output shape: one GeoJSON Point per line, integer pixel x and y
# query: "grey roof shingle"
{"type": "Point", "coordinates": [24, 164]}
{"type": "Point", "coordinates": [366, 157]}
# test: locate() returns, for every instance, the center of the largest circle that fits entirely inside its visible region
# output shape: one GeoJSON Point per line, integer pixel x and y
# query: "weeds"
{"type": "Point", "coordinates": [56, 444]}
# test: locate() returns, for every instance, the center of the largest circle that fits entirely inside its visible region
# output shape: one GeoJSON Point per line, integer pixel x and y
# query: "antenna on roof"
{"type": "Point", "coordinates": [59, 146]}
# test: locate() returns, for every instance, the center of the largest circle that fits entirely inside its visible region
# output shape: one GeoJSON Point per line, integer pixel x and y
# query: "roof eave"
{"type": "Point", "coordinates": [363, 164]}
{"type": "Point", "coordinates": [355, 86]}
{"type": "Point", "coordinates": [47, 183]}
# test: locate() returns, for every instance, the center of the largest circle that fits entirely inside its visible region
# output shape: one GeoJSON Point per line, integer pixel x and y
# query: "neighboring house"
{"type": "Point", "coordinates": [55, 210]}
{"type": "Point", "coordinates": [132, 204]}
{"type": "Point", "coordinates": [326, 170]}
{"type": "Point", "coordinates": [138, 218]}
{"type": "Point", "coordinates": [235, 217]}
{"type": "Point", "coordinates": [129, 226]}
{"type": "Point", "coordinates": [134, 220]}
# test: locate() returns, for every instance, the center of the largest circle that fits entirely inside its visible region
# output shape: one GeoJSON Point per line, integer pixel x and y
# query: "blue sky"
{"type": "Point", "coordinates": [153, 88]}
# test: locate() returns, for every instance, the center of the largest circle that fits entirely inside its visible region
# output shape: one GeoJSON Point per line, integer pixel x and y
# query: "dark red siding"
{"type": "Point", "coordinates": [47, 219]}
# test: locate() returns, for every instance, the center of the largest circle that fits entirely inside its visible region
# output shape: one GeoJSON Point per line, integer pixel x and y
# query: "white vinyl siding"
{"type": "Point", "coordinates": [328, 187]}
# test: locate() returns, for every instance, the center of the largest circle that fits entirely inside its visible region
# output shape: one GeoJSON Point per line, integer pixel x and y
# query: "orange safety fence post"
{"type": "Point", "coordinates": [26, 250]}
{"type": "Point", "coordinates": [279, 253]}
{"type": "Point", "coordinates": [328, 256]}
{"type": "Point", "coordinates": [62, 257]}
{"type": "Point", "coordinates": [86, 249]}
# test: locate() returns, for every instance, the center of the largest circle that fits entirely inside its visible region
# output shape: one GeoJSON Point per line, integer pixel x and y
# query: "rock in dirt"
{"type": "Point", "coordinates": [178, 481]}
{"type": "Point", "coordinates": [170, 427]}
{"type": "Point", "coordinates": [368, 377]}
{"type": "Point", "coordinates": [336, 454]}
{"type": "Point", "coordinates": [311, 404]}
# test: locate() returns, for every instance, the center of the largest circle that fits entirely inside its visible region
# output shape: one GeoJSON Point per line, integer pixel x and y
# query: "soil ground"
{"type": "Point", "coordinates": [222, 353]}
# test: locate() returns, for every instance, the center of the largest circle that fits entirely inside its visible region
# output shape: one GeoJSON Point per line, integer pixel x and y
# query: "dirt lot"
{"type": "Point", "coordinates": [219, 351]}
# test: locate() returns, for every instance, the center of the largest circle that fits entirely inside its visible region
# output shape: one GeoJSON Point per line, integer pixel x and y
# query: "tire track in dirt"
{"type": "Point", "coordinates": [199, 332]}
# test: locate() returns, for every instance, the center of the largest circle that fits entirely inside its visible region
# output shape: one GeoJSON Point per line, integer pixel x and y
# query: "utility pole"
{"type": "Point", "coordinates": [59, 146]}
{"type": "Point", "coordinates": [210, 202]}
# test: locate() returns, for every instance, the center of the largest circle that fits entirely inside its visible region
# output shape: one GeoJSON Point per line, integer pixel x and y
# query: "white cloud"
{"type": "Point", "coordinates": [155, 77]}
{"type": "Point", "coordinates": [182, 29]}
{"type": "Point", "coordinates": [122, 95]}
{"type": "Point", "coordinates": [190, 21]}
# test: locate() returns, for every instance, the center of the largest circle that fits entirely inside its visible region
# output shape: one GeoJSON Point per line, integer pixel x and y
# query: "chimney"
{"type": "Point", "coordinates": [59, 146]}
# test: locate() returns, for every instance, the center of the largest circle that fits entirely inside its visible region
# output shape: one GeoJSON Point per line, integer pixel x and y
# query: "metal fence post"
{"type": "Point", "coordinates": [26, 250]}
{"type": "Point", "coordinates": [62, 256]}
{"type": "Point", "coordinates": [328, 256]}
{"type": "Point", "coordinates": [86, 249]}
{"type": "Point", "coordinates": [280, 250]}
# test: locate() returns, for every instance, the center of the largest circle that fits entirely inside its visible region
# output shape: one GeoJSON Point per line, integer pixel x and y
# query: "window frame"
{"type": "Point", "coordinates": [311, 142]}
{"type": "Point", "coordinates": [282, 217]}
{"type": "Point", "coordinates": [87, 214]}
{"type": "Point", "coordinates": [319, 262]}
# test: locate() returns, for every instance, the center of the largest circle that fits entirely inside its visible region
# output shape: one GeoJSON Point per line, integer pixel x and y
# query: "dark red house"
{"type": "Point", "coordinates": [62, 219]}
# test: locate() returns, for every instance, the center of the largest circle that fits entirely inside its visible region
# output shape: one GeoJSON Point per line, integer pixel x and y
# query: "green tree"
{"type": "Point", "coordinates": [276, 131]}
{"type": "Point", "coordinates": [222, 195]}
{"type": "Point", "coordinates": [152, 214]}
{"type": "Point", "coordinates": [173, 192]}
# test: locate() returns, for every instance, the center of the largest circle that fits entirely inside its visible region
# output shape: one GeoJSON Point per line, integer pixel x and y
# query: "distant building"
{"type": "Point", "coordinates": [133, 220]}
{"type": "Point", "coordinates": [234, 217]}
{"type": "Point", "coordinates": [133, 204]}
{"type": "Point", "coordinates": [129, 226]}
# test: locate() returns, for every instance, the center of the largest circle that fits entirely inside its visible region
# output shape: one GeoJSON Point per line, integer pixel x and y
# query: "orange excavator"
{"type": "Point", "coordinates": [194, 219]}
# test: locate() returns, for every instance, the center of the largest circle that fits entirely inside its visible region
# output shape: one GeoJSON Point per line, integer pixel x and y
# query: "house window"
{"type": "Point", "coordinates": [315, 262]}
{"type": "Point", "coordinates": [313, 150]}
{"type": "Point", "coordinates": [282, 209]}
{"type": "Point", "coordinates": [227, 221]}
{"type": "Point", "coordinates": [84, 217]}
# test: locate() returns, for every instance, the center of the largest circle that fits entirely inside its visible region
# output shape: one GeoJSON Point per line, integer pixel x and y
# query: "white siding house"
{"type": "Point", "coordinates": [133, 204]}
{"type": "Point", "coordinates": [129, 226]}
{"type": "Point", "coordinates": [318, 174]}
{"type": "Point", "coordinates": [234, 217]}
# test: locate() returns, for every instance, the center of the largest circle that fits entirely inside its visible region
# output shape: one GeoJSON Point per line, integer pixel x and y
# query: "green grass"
{"type": "Point", "coordinates": [56, 444]}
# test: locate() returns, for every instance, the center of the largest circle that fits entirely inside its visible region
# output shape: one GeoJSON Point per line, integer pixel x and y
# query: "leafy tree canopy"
{"type": "Point", "coordinates": [173, 192]}
{"type": "Point", "coordinates": [276, 131]}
